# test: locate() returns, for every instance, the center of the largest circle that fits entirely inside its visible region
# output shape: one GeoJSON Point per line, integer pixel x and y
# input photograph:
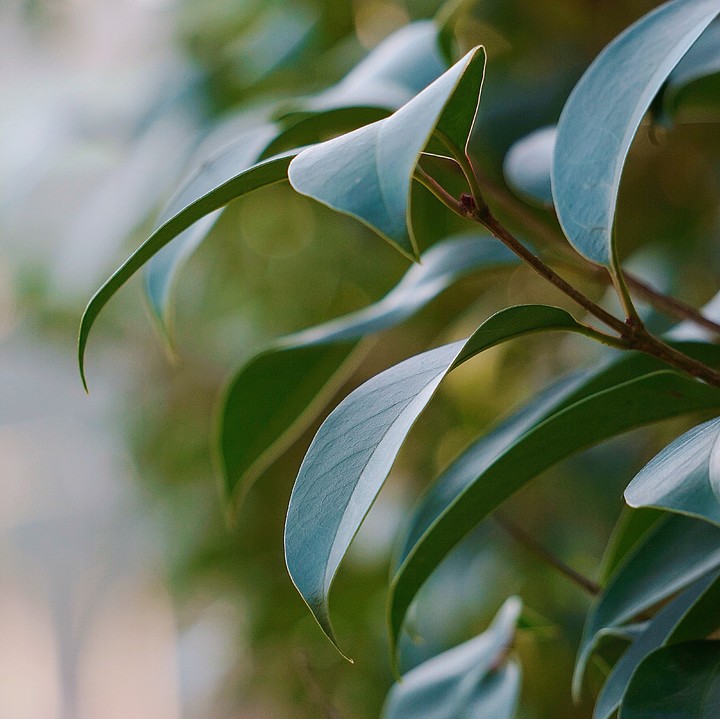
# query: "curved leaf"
{"type": "Point", "coordinates": [197, 206]}
{"type": "Point", "coordinates": [603, 113]}
{"type": "Point", "coordinates": [674, 554]}
{"type": "Point", "coordinates": [474, 679]}
{"type": "Point", "coordinates": [354, 449]}
{"type": "Point", "coordinates": [276, 393]}
{"type": "Point", "coordinates": [660, 630]}
{"type": "Point", "coordinates": [528, 164]}
{"type": "Point", "coordinates": [684, 476]}
{"type": "Point", "coordinates": [367, 173]}
{"type": "Point", "coordinates": [681, 681]}
{"type": "Point", "coordinates": [487, 474]}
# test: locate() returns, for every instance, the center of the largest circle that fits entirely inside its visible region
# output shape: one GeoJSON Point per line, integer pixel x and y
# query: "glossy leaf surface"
{"type": "Point", "coordinates": [367, 173]}
{"type": "Point", "coordinates": [474, 679]}
{"type": "Point", "coordinates": [354, 449]}
{"type": "Point", "coordinates": [276, 393]}
{"type": "Point", "coordinates": [602, 115]}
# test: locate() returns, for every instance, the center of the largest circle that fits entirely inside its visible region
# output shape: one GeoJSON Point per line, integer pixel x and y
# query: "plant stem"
{"type": "Point", "coordinates": [431, 184]}
{"type": "Point", "coordinates": [522, 537]}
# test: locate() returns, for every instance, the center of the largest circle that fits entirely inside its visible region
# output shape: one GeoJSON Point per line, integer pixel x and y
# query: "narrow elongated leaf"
{"type": "Point", "coordinates": [367, 173]}
{"type": "Point", "coordinates": [474, 679]}
{"type": "Point", "coordinates": [657, 632]}
{"type": "Point", "coordinates": [528, 165]}
{"type": "Point", "coordinates": [676, 552]}
{"type": "Point", "coordinates": [198, 206]}
{"type": "Point", "coordinates": [278, 392]}
{"type": "Point", "coordinates": [507, 467]}
{"type": "Point", "coordinates": [354, 449]}
{"type": "Point", "coordinates": [683, 477]}
{"type": "Point", "coordinates": [681, 681]}
{"type": "Point", "coordinates": [602, 115]}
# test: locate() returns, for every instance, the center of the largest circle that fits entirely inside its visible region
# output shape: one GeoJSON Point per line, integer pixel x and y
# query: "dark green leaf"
{"type": "Point", "coordinates": [275, 395]}
{"type": "Point", "coordinates": [684, 476]}
{"type": "Point", "coordinates": [603, 113]}
{"type": "Point", "coordinates": [354, 449]}
{"type": "Point", "coordinates": [472, 680]}
{"type": "Point", "coordinates": [367, 173]}
{"type": "Point", "coordinates": [681, 681]}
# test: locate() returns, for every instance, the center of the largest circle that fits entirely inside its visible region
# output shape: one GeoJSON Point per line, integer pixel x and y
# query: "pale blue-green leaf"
{"type": "Point", "coordinates": [488, 473]}
{"type": "Point", "coordinates": [602, 115]}
{"type": "Point", "coordinates": [471, 680]}
{"type": "Point", "coordinates": [246, 180]}
{"type": "Point", "coordinates": [679, 681]}
{"type": "Point", "coordinates": [367, 173]}
{"type": "Point", "coordinates": [657, 632]}
{"type": "Point", "coordinates": [675, 553]}
{"type": "Point", "coordinates": [528, 165]}
{"type": "Point", "coordinates": [354, 449]}
{"type": "Point", "coordinates": [290, 381]}
{"type": "Point", "coordinates": [683, 476]}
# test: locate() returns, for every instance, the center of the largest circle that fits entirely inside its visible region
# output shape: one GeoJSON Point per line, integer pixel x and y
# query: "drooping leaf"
{"type": "Point", "coordinates": [474, 679]}
{"type": "Point", "coordinates": [684, 476]}
{"type": "Point", "coordinates": [674, 554]}
{"type": "Point", "coordinates": [602, 115]}
{"type": "Point", "coordinates": [354, 449]}
{"type": "Point", "coordinates": [657, 632]}
{"type": "Point", "coordinates": [681, 681]}
{"type": "Point", "coordinates": [488, 473]}
{"type": "Point", "coordinates": [528, 165]}
{"type": "Point", "coordinates": [275, 395]}
{"type": "Point", "coordinates": [367, 173]}
{"type": "Point", "coordinates": [197, 206]}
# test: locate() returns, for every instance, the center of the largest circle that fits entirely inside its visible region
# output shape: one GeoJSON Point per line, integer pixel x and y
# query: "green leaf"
{"type": "Point", "coordinates": [675, 553]}
{"type": "Point", "coordinates": [367, 173]}
{"type": "Point", "coordinates": [528, 164]}
{"type": "Point", "coordinates": [684, 477]}
{"type": "Point", "coordinates": [354, 449]}
{"type": "Point", "coordinates": [474, 679]}
{"type": "Point", "coordinates": [492, 471]}
{"type": "Point", "coordinates": [195, 202]}
{"type": "Point", "coordinates": [277, 393]}
{"type": "Point", "coordinates": [658, 631]}
{"type": "Point", "coordinates": [681, 681]}
{"type": "Point", "coordinates": [602, 115]}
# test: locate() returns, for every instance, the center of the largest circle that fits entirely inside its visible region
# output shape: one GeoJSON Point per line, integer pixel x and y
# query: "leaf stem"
{"type": "Point", "coordinates": [529, 542]}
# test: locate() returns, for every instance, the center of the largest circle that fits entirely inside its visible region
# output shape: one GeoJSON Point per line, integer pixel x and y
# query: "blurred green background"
{"type": "Point", "coordinates": [123, 590]}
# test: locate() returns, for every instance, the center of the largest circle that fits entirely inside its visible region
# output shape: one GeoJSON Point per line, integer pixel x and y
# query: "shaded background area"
{"type": "Point", "coordinates": [123, 590]}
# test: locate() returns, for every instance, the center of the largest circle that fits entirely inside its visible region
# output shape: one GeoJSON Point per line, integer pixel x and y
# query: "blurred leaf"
{"type": "Point", "coordinates": [367, 173]}
{"type": "Point", "coordinates": [674, 554]}
{"type": "Point", "coordinates": [194, 203]}
{"type": "Point", "coordinates": [354, 449]}
{"type": "Point", "coordinates": [528, 165]}
{"type": "Point", "coordinates": [276, 394]}
{"type": "Point", "coordinates": [657, 632]}
{"type": "Point", "coordinates": [684, 476]}
{"type": "Point", "coordinates": [681, 681]}
{"type": "Point", "coordinates": [474, 679]}
{"type": "Point", "coordinates": [602, 115]}
{"type": "Point", "coordinates": [489, 473]}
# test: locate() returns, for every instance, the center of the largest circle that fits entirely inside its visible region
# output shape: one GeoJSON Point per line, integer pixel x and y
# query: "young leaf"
{"type": "Point", "coordinates": [681, 681]}
{"type": "Point", "coordinates": [367, 173]}
{"type": "Point", "coordinates": [528, 164]}
{"type": "Point", "coordinates": [197, 205]}
{"type": "Point", "coordinates": [674, 554]}
{"type": "Point", "coordinates": [278, 392]}
{"type": "Point", "coordinates": [660, 630]}
{"type": "Point", "coordinates": [474, 679]}
{"type": "Point", "coordinates": [684, 477]}
{"type": "Point", "coordinates": [354, 449]}
{"type": "Point", "coordinates": [602, 115]}
{"type": "Point", "coordinates": [479, 483]}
